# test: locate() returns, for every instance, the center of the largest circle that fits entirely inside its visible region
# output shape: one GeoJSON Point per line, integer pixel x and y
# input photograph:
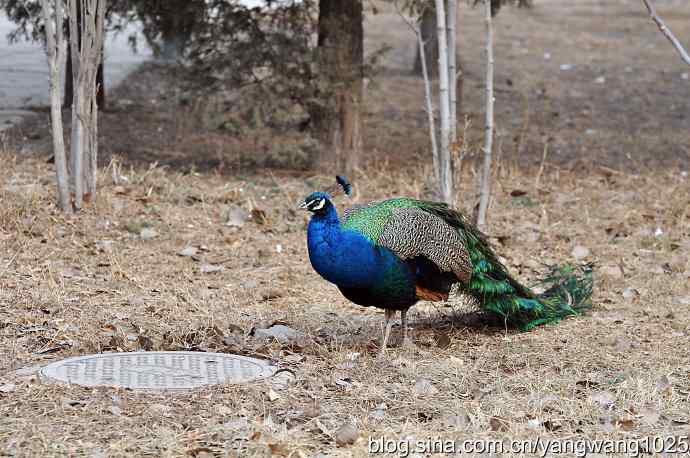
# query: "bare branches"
{"type": "Point", "coordinates": [667, 32]}
{"type": "Point", "coordinates": [485, 186]}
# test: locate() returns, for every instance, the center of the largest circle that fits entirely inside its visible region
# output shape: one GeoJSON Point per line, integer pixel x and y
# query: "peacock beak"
{"type": "Point", "coordinates": [302, 205]}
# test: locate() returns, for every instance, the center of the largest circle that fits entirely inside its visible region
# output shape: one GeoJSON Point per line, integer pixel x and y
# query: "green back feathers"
{"type": "Point", "coordinates": [370, 220]}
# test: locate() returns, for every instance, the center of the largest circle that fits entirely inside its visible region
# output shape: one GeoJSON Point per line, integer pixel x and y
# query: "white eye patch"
{"type": "Point", "coordinates": [320, 205]}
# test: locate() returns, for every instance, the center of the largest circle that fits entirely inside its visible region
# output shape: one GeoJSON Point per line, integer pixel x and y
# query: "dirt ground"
{"type": "Point", "coordinates": [615, 182]}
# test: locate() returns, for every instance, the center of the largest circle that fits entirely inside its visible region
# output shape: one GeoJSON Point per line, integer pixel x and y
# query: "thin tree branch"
{"type": "Point", "coordinates": [667, 32]}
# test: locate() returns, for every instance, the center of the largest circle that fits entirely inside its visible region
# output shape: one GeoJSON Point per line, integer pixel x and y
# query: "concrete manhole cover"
{"type": "Point", "coordinates": [160, 370]}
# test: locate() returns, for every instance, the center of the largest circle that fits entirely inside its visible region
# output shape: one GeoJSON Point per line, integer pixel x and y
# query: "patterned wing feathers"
{"type": "Point", "coordinates": [412, 232]}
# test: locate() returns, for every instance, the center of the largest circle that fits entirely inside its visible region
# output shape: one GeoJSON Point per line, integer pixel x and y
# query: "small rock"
{"type": "Point", "coordinates": [188, 251]}
{"type": "Point", "coordinates": [685, 75]}
{"type": "Point", "coordinates": [600, 80]}
{"type": "Point", "coordinates": [346, 435]}
{"type": "Point", "coordinates": [236, 216]}
{"type": "Point", "coordinates": [460, 420]}
{"type": "Point", "coordinates": [279, 332]}
{"type": "Point", "coordinates": [210, 268]}
{"type": "Point", "coordinates": [423, 386]}
{"type": "Point", "coordinates": [566, 67]}
{"type": "Point", "coordinates": [377, 414]}
{"type": "Point", "coordinates": [622, 344]}
{"type": "Point", "coordinates": [605, 399]}
{"type": "Point", "coordinates": [533, 423]}
{"type": "Point", "coordinates": [7, 388]}
{"type": "Point", "coordinates": [106, 246]}
{"type": "Point", "coordinates": [630, 293]}
{"type": "Point", "coordinates": [580, 252]}
{"type": "Point", "coordinates": [683, 300]}
{"type": "Point", "coordinates": [272, 395]}
{"type": "Point", "coordinates": [148, 233]}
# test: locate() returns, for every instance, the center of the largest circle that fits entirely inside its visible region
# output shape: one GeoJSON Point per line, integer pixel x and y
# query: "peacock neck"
{"type": "Point", "coordinates": [342, 256]}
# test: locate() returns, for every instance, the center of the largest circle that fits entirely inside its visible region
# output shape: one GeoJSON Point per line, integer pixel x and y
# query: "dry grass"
{"type": "Point", "coordinates": [621, 371]}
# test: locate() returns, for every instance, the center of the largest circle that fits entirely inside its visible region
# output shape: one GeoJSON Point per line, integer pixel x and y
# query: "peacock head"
{"type": "Point", "coordinates": [317, 202]}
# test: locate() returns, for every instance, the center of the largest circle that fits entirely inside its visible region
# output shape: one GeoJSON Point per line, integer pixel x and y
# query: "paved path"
{"type": "Point", "coordinates": [24, 71]}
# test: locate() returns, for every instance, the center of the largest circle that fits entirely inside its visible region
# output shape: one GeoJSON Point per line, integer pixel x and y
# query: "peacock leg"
{"type": "Point", "coordinates": [403, 323]}
{"type": "Point", "coordinates": [387, 331]}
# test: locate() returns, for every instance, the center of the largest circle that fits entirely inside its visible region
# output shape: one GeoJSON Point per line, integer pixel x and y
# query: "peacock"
{"type": "Point", "coordinates": [392, 253]}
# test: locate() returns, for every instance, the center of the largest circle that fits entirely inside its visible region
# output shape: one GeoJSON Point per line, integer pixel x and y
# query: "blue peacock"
{"type": "Point", "coordinates": [392, 253]}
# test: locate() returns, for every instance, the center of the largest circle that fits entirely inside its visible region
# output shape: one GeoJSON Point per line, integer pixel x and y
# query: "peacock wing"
{"type": "Point", "coordinates": [411, 232]}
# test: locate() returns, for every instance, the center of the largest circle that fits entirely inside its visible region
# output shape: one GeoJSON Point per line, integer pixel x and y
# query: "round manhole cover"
{"type": "Point", "coordinates": [159, 370]}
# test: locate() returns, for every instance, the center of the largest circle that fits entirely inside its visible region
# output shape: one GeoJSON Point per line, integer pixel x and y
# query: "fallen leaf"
{"type": "Point", "coordinates": [499, 424]}
{"type": "Point", "coordinates": [625, 424]}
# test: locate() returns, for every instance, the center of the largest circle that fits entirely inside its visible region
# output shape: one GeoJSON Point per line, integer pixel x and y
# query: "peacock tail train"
{"type": "Point", "coordinates": [567, 290]}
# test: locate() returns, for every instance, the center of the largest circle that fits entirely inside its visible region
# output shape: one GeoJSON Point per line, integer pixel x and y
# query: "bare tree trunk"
{"type": "Point", "coordinates": [56, 49]}
{"type": "Point", "coordinates": [341, 49]}
{"type": "Point", "coordinates": [445, 160]}
{"type": "Point", "coordinates": [68, 95]}
{"type": "Point", "coordinates": [485, 187]}
{"type": "Point", "coordinates": [86, 20]}
{"type": "Point", "coordinates": [452, 69]}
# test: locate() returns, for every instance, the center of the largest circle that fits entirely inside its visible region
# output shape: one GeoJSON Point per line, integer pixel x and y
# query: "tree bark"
{"type": "Point", "coordinates": [445, 159]}
{"type": "Point", "coordinates": [341, 59]}
{"type": "Point", "coordinates": [485, 187]}
{"type": "Point", "coordinates": [86, 17]}
{"type": "Point", "coordinates": [69, 80]}
{"type": "Point", "coordinates": [56, 49]}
